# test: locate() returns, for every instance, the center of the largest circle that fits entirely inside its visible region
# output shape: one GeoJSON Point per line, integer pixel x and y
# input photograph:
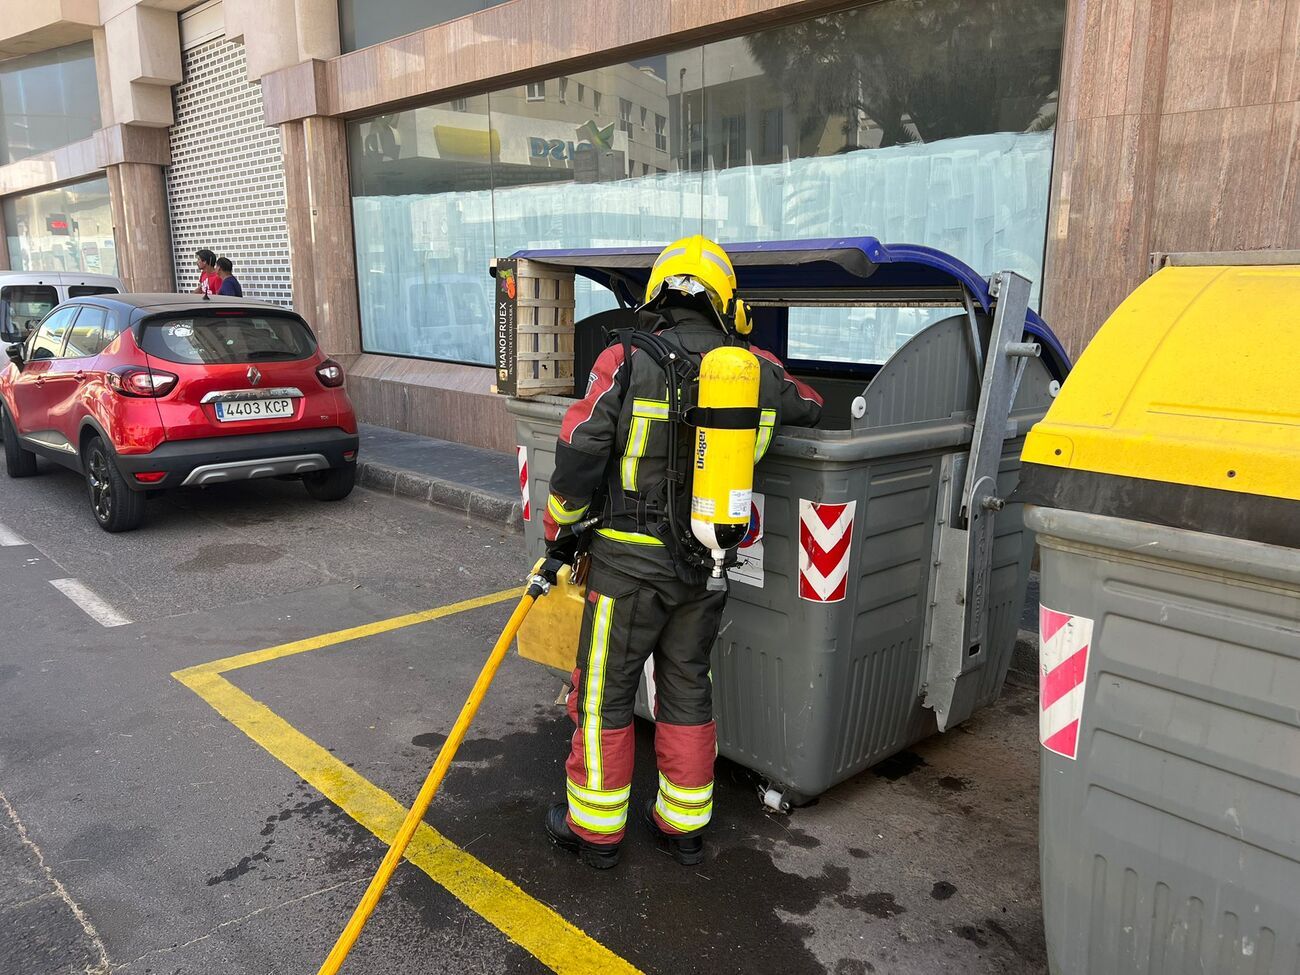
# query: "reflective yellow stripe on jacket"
{"type": "Point", "coordinates": [766, 424]}
{"type": "Point", "coordinates": [632, 538]}
{"type": "Point", "coordinates": [644, 412]}
{"type": "Point", "coordinates": [563, 515]}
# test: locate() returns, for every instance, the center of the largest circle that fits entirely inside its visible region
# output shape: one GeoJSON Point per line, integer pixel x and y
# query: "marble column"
{"type": "Point", "coordinates": [141, 226]}
{"type": "Point", "coordinates": [319, 216]}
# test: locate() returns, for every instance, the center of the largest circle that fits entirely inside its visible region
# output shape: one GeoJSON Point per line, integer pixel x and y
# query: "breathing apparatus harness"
{"type": "Point", "coordinates": [664, 505]}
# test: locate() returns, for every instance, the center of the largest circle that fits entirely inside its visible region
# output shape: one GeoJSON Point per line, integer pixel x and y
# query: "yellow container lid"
{"type": "Point", "coordinates": [1193, 381]}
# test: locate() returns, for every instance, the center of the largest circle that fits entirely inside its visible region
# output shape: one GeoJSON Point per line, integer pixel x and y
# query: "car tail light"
{"type": "Point", "coordinates": [138, 381]}
{"type": "Point", "coordinates": [330, 373]}
{"type": "Point", "coordinates": [150, 477]}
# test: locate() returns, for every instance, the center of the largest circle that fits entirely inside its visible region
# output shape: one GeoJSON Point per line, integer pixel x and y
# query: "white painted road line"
{"type": "Point", "coordinates": [90, 603]}
{"type": "Point", "coordinates": [8, 537]}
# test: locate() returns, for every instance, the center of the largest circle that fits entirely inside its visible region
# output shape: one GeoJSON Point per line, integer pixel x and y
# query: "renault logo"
{"type": "Point", "coordinates": [254, 377]}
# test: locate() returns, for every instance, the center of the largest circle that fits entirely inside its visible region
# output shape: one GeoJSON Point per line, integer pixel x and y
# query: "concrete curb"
{"type": "Point", "coordinates": [1024, 658]}
{"type": "Point", "coordinates": [444, 494]}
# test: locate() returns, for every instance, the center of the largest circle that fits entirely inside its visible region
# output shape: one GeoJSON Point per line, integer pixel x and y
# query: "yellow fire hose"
{"type": "Point", "coordinates": [339, 953]}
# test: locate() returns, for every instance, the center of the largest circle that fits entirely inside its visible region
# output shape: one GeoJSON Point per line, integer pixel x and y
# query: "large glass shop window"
{"type": "Point", "coordinates": [920, 121]}
{"type": "Point", "coordinates": [64, 229]}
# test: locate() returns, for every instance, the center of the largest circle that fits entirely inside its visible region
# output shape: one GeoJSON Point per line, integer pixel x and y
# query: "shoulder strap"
{"type": "Point", "coordinates": [667, 354]}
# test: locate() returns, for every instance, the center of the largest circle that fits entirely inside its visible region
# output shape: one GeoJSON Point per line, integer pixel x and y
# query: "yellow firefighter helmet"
{"type": "Point", "coordinates": [696, 266]}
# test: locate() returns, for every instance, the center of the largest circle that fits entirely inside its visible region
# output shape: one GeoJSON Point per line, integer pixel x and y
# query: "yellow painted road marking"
{"type": "Point", "coordinates": [532, 925]}
{"type": "Point", "coordinates": [227, 664]}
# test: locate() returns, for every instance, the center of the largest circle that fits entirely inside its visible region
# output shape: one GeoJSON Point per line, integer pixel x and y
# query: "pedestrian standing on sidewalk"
{"type": "Point", "coordinates": [209, 280]}
{"type": "Point", "coordinates": [229, 283]}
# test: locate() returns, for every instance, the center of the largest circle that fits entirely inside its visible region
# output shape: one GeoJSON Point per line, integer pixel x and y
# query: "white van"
{"type": "Point", "coordinates": [31, 294]}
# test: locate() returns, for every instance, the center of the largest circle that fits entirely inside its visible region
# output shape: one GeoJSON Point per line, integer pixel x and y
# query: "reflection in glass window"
{"type": "Point", "coordinates": [885, 120]}
{"type": "Point", "coordinates": [366, 22]}
{"type": "Point", "coordinates": [855, 335]}
{"type": "Point", "coordinates": [882, 120]}
{"type": "Point", "coordinates": [47, 100]}
{"type": "Point", "coordinates": [65, 229]}
{"type": "Point", "coordinates": [29, 303]}
{"type": "Point", "coordinates": [47, 342]}
{"type": "Point", "coordinates": [87, 335]}
{"type": "Point", "coordinates": [422, 220]}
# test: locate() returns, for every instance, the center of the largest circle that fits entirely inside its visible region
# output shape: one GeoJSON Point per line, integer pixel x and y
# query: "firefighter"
{"type": "Point", "coordinates": [647, 593]}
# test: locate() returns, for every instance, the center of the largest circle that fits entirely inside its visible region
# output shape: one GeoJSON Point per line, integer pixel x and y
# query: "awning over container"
{"type": "Point", "coordinates": [862, 267]}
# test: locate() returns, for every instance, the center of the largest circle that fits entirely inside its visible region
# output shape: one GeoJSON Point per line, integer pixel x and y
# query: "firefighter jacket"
{"type": "Point", "coordinates": [617, 435]}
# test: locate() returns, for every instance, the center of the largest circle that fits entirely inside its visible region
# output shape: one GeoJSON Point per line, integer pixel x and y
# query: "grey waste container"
{"type": "Point", "coordinates": [866, 610]}
{"type": "Point", "coordinates": [1164, 486]}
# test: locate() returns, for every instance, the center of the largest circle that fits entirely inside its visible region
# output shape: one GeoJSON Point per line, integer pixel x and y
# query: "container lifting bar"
{"type": "Point", "coordinates": [957, 621]}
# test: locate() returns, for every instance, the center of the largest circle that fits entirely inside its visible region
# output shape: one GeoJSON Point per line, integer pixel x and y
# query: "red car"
{"type": "Point", "coordinates": [141, 393]}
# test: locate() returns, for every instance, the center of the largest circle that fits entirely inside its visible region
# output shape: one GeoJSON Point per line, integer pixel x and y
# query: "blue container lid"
{"type": "Point", "coordinates": [860, 264]}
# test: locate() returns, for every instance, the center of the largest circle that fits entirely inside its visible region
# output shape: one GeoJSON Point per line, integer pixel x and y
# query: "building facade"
{"type": "Point", "coordinates": [363, 160]}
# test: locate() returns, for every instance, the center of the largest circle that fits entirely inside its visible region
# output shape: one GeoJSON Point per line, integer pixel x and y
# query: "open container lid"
{"type": "Point", "coordinates": [860, 266]}
{"type": "Point", "coordinates": [1184, 410]}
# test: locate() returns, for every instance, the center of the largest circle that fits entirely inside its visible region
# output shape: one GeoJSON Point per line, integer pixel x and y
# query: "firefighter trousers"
{"type": "Point", "coordinates": [627, 621]}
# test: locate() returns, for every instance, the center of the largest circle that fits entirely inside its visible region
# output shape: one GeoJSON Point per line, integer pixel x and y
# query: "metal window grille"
{"type": "Point", "coordinates": [225, 187]}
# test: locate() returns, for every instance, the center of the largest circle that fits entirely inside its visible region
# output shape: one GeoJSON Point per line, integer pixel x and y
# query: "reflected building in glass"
{"type": "Point", "coordinates": [879, 120]}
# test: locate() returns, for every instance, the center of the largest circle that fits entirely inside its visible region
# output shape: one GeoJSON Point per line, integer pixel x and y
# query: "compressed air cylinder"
{"type": "Point", "coordinates": [723, 462]}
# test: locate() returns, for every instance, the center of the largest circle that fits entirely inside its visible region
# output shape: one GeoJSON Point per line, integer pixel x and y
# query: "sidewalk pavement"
{"type": "Point", "coordinates": [478, 482]}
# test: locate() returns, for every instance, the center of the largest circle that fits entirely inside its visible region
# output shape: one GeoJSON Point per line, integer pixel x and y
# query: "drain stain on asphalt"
{"type": "Point", "coordinates": [972, 934]}
{"type": "Point", "coordinates": [942, 890]}
{"type": "Point", "coordinates": [471, 750]}
{"type": "Point", "coordinates": [336, 841]}
{"type": "Point", "coordinates": [878, 903]}
{"type": "Point", "coordinates": [223, 556]}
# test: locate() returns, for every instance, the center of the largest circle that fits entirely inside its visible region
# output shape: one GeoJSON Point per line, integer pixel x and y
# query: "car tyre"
{"type": "Point", "coordinates": [115, 506]}
{"type": "Point", "coordinates": [18, 462]}
{"type": "Point", "coordinates": [334, 484]}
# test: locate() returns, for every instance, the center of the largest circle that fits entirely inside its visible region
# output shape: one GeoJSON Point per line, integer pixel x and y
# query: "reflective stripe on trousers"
{"type": "Point", "coordinates": [596, 690]}
{"type": "Point", "coordinates": [598, 810]}
{"type": "Point", "coordinates": [684, 809]}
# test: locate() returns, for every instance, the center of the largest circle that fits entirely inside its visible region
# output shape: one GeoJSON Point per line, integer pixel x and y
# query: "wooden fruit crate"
{"type": "Point", "coordinates": [534, 328]}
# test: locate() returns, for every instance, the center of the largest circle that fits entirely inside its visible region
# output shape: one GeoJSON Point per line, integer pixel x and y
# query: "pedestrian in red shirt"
{"type": "Point", "coordinates": [209, 279]}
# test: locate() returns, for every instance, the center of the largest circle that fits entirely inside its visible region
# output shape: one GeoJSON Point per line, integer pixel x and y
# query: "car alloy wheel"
{"type": "Point", "coordinates": [101, 486]}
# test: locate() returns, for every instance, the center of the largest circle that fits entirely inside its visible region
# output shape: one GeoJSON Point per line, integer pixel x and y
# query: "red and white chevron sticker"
{"type": "Point", "coordinates": [825, 539]}
{"type": "Point", "coordinates": [523, 480]}
{"type": "Point", "coordinates": [1064, 641]}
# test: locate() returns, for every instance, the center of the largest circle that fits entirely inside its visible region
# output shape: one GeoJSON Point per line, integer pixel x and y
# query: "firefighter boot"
{"type": "Point", "coordinates": [597, 855]}
{"type": "Point", "coordinates": [686, 849]}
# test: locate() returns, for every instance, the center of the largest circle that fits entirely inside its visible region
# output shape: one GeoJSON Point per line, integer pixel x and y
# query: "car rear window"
{"type": "Point", "coordinates": [88, 290]}
{"type": "Point", "coordinates": [224, 339]}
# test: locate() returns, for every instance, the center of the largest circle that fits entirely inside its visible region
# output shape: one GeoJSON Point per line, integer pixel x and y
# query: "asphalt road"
{"type": "Point", "coordinates": [226, 824]}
